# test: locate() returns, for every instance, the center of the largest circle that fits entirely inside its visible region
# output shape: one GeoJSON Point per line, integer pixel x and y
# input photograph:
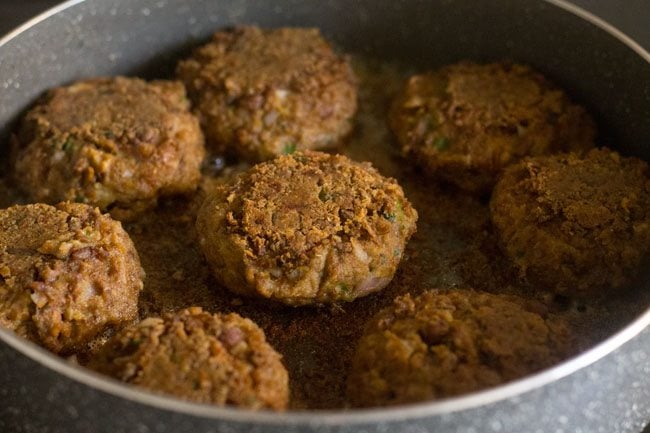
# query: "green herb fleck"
{"type": "Point", "coordinates": [400, 210]}
{"type": "Point", "coordinates": [397, 214]}
{"type": "Point", "coordinates": [397, 252]}
{"type": "Point", "coordinates": [343, 288]}
{"type": "Point", "coordinates": [301, 158]}
{"type": "Point", "coordinates": [80, 199]}
{"type": "Point", "coordinates": [324, 195]}
{"type": "Point", "coordinates": [289, 148]}
{"type": "Point", "coordinates": [109, 135]}
{"type": "Point", "coordinates": [68, 145]}
{"type": "Point", "coordinates": [346, 292]}
{"type": "Point", "coordinates": [431, 124]}
{"type": "Point", "coordinates": [441, 143]}
{"type": "Point", "coordinates": [133, 345]}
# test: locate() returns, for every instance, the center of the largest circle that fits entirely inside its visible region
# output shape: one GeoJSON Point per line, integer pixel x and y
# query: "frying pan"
{"type": "Point", "coordinates": [605, 389]}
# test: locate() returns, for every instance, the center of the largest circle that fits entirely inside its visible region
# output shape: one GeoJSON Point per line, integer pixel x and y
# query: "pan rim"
{"type": "Point", "coordinates": [327, 417]}
{"type": "Point", "coordinates": [336, 417]}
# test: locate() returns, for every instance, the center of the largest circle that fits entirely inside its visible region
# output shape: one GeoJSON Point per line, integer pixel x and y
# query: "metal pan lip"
{"type": "Point", "coordinates": [327, 417]}
{"type": "Point", "coordinates": [336, 417]}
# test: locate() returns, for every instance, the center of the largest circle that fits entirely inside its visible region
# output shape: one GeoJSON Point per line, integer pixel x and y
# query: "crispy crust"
{"type": "Point", "coordinates": [220, 359]}
{"type": "Point", "coordinates": [261, 93]}
{"type": "Point", "coordinates": [443, 344]}
{"type": "Point", "coordinates": [306, 228]}
{"type": "Point", "coordinates": [67, 272]}
{"type": "Point", "coordinates": [116, 143]}
{"type": "Point", "coordinates": [575, 225]}
{"type": "Point", "coordinates": [466, 122]}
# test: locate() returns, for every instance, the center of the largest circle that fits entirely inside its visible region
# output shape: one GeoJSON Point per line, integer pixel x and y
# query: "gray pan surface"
{"type": "Point", "coordinates": [632, 19]}
{"type": "Point", "coordinates": [607, 389]}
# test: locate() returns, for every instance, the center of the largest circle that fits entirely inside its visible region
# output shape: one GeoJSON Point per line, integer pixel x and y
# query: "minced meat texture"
{"type": "Point", "coordinates": [67, 272]}
{"type": "Point", "coordinates": [116, 143]}
{"type": "Point", "coordinates": [220, 359]}
{"type": "Point", "coordinates": [306, 228]}
{"type": "Point", "coordinates": [261, 93]}
{"type": "Point", "coordinates": [575, 224]}
{"type": "Point", "coordinates": [466, 122]}
{"type": "Point", "coordinates": [442, 344]}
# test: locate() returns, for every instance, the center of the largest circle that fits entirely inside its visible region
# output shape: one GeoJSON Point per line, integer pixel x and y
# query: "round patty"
{"type": "Point", "coordinates": [306, 228]}
{"type": "Point", "coordinates": [67, 272]}
{"type": "Point", "coordinates": [261, 93]}
{"type": "Point", "coordinates": [116, 143]}
{"type": "Point", "coordinates": [464, 123]}
{"type": "Point", "coordinates": [572, 224]}
{"type": "Point", "coordinates": [444, 344]}
{"type": "Point", "coordinates": [207, 358]}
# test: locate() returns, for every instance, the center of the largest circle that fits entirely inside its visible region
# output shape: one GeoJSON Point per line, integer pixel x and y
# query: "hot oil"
{"type": "Point", "coordinates": [454, 248]}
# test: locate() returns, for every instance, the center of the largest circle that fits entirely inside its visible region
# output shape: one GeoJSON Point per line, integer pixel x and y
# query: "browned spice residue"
{"type": "Point", "coordinates": [454, 247]}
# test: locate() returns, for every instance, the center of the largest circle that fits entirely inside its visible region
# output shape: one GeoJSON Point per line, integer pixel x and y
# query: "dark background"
{"type": "Point", "coordinates": [630, 16]}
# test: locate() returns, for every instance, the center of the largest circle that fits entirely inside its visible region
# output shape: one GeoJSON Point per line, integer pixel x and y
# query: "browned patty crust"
{"type": "Point", "coordinates": [261, 93]}
{"type": "Point", "coordinates": [67, 272]}
{"type": "Point", "coordinates": [575, 225]}
{"type": "Point", "coordinates": [116, 143]}
{"type": "Point", "coordinates": [466, 122]}
{"type": "Point", "coordinates": [448, 343]}
{"type": "Point", "coordinates": [306, 228]}
{"type": "Point", "coordinates": [220, 359]}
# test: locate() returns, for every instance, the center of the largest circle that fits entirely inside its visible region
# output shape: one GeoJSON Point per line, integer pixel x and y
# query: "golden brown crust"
{"type": "Point", "coordinates": [116, 143]}
{"type": "Point", "coordinates": [261, 93]}
{"type": "Point", "coordinates": [453, 247]}
{"type": "Point", "coordinates": [306, 228]}
{"type": "Point", "coordinates": [442, 344]}
{"type": "Point", "coordinates": [206, 358]}
{"type": "Point", "coordinates": [466, 122]}
{"type": "Point", "coordinates": [573, 224]}
{"type": "Point", "coordinates": [67, 272]}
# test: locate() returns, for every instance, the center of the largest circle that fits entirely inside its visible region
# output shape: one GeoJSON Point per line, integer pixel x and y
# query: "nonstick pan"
{"type": "Point", "coordinates": [604, 389]}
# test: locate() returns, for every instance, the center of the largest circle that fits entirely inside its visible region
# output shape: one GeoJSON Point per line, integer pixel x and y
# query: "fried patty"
{"type": "Point", "coordinates": [261, 93]}
{"type": "Point", "coordinates": [442, 344]}
{"type": "Point", "coordinates": [466, 122]}
{"type": "Point", "coordinates": [220, 359]}
{"type": "Point", "coordinates": [575, 225]}
{"type": "Point", "coordinates": [115, 143]}
{"type": "Point", "coordinates": [67, 272]}
{"type": "Point", "coordinates": [306, 228]}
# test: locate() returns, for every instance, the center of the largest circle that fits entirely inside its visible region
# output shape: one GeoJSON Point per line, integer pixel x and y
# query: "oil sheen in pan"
{"type": "Point", "coordinates": [441, 407]}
